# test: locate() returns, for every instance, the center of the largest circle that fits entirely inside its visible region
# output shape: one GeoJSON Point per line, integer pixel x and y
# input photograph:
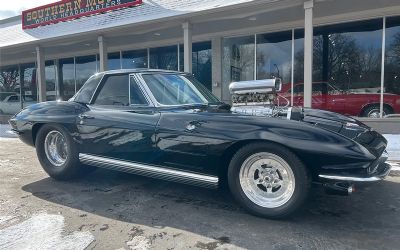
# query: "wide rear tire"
{"type": "Point", "coordinates": [268, 180]}
{"type": "Point", "coordinates": [57, 153]}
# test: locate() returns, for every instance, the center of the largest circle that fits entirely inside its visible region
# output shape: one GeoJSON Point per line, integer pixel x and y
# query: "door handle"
{"type": "Point", "coordinates": [82, 117]}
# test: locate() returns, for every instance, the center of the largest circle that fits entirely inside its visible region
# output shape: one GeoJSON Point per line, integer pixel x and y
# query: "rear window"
{"type": "Point", "coordinates": [85, 94]}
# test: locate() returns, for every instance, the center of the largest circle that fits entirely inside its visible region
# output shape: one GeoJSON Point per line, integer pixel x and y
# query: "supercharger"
{"type": "Point", "coordinates": [260, 98]}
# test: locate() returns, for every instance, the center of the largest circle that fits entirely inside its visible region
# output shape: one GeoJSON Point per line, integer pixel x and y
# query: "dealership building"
{"type": "Point", "coordinates": [338, 55]}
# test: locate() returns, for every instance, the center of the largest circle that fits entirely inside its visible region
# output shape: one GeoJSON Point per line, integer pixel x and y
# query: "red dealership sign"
{"type": "Point", "coordinates": [70, 9]}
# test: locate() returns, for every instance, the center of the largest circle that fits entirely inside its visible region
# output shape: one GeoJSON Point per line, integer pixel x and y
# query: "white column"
{"type": "Point", "coordinates": [383, 65]}
{"type": "Point", "coordinates": [308, 52]}
{"type": "Point", "coordinates": [102, 53]}
{"type": "Point", "coordinates": [216, 48]}
{"type": "Point", "coordinates": [41, 74]}
{"type": "Point", "coordinates": [187, 46]}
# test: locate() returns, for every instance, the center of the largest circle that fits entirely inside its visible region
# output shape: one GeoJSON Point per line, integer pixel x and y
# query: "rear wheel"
{"type": "Point", "coordinates": [57, 152]}
{"type": "Point", "coordinates": [373, 111]}
{"type": "Point", "coordinates": [268, 180]}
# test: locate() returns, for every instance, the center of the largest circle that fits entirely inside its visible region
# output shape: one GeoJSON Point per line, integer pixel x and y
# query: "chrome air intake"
{"type": "Point", "coordinates": [259, 98]}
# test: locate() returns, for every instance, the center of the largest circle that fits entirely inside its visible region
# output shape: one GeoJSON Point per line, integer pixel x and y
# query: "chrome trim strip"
{"type": "Point", "coordinates": [349, 178]}
{"type": "Point", "coordinates": [150, 171]}
{"type": "Point", "coordinates": [378, 177]}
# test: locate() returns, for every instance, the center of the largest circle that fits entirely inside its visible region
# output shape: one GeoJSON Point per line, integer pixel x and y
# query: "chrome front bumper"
{"type": "Point", "coordinates": [377, 171]}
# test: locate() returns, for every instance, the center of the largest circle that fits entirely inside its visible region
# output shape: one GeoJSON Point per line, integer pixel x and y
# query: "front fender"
{"type": "Point", "coordinates": [64, 113]}
{"type": "Point", "coordinates": [314, 145]}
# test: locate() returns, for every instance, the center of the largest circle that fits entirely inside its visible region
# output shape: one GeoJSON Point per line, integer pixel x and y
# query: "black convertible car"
{"type": "Point", "coordinates": [166, 125]}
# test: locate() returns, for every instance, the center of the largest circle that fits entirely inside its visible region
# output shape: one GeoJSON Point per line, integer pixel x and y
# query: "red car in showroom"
{"type": "Point", "coordinates": [350, 102]}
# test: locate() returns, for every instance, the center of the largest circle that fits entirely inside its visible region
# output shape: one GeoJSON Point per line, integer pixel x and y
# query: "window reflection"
{"type": "Point", "coordinates": [274, 59]}
{"type": "Point", "coordinates": [134, 59]}
{"type": "Point", "coordinates": [50, 73]}
{"type": "Point", "coordinates": [114, 61]}
{"type": "Point", "coordinates": [391, 98]}
{"type": "Point", "coordinates": [347, 57]}
{"type": "Point", "coordinates": [237, 61]}
{"type": "Point", "coordinates": [28, 84]}
{"type": "Point", "coordinates": [164, 58]}
{"type": "Point", "coordinates": [201, 62]}
{"type": "Point", "coordinates": [9, 90]}
{"type": "Point", "coordinates": [85, 68]}
{"type": "Point", "coordinates": [66, 78]}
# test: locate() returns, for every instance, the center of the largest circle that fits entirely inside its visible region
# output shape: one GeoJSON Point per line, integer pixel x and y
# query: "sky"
{"type": "Point", "coordinates": [15, 7]}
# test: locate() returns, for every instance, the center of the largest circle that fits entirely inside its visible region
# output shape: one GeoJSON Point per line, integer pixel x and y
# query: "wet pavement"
{"type": "Point", "coordinates": [111, 210]}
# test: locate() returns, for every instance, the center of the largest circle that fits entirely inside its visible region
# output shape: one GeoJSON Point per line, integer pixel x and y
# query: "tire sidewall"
{"type": "Point", "coordinates": [302, 182]}
{"type": "Point", "coordinates": [66, 169]}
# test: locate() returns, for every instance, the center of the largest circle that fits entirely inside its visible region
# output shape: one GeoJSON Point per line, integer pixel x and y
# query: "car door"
{"type": "Point", "coordinates": [319, 95]}
{"type": "Point", "coordinates": [336, 100]}
{"type": "Point", "coordinates": [120, 122]}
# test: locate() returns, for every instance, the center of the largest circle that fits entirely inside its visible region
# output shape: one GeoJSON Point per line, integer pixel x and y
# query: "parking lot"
{"type": "Point", "coordinates": [110, 210]}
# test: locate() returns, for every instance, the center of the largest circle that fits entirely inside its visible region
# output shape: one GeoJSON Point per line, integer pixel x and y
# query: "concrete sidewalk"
{"type": "Point", "coordinates": [393, 145]}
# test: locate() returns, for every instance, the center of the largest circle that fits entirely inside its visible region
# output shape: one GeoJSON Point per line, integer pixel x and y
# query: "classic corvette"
{"type": "Point", "coordinates": [167, 125]}
{"type": "Point", "coordinates": [328, 97]}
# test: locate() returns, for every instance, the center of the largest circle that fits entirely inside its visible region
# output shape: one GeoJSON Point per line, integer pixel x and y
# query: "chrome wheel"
{"type": "Point", "coordinates": [267, 180]}
{"type": "Point", "coordinates": [55, 147]}
{"type": "Point", "coordinates": [375, 113]}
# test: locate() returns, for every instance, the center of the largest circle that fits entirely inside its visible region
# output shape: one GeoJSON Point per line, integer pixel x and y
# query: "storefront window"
{"type": "Point", "coordinates": [50, 73]}
{"type": "Point", "coordinates": [85, 68]}
{"type": "Point", "coordinates": [114, 61]}
{"type": "Point", "coordinates": [10, 102]}
{"type": "Point", "coordinates": [274, 56]}
{"type": "Point", "coordinates": [201, 62]}
{"type": "Point", "coordinates": [134, 59]}
{"type": "Point", "coordinates": [164, 58]}
{"type": "Point", "coordinates": [28, 84]}
{"type": "Point", "coordinates": [237, 61]}
{"type": "Point", "coordinates": [274, 59]}
{"type": "Point", "coordinates": [66, 78]}
{"type": "Point", "coordinates": [346, 68]}
{"type": "Point", "coordinates": [391, 97]}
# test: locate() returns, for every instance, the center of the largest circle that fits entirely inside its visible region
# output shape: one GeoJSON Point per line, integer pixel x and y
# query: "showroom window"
{"type": "Point", "coordinates": [50, 73]}
{"type": "Point", "coordinates": [201, 62]}
{"type": "Point", "coordinates": [9, 90]}
{"type": "Point", "coordinates": [66, 77]}
{"type": "Point", "coordinates": [391, 97]}
{"type": "Point", "coordinates": [274, 59]}
{"type": "Point", "coordinates": [347, 62]}
{"type": "Point", "coordinates": [134, 59]}
{"type": "Point", "coordinates": [164, 58]}
{"type": "Point", "coordinates": [237, 62]}
{"type": "Point", "coordinates": [28, 84]}
{"type": "Point", "coordinates": [348, 57]}
{"type": "Point", "coordinates": [85, 68]}
{"type": "Point", "coordinates": [114, 61]}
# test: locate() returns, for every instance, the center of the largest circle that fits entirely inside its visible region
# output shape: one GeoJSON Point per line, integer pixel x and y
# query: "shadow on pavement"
{"type": "Point", "coordinates": [363, 220]}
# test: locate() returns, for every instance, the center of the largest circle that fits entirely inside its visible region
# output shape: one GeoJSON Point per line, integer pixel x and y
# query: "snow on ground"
{"type": "Point", "coordinates": [393, 147]}
{"type": "Point", "coordinates": [5, 131]}
{"type": "Point", "coordinates": [43, 231]}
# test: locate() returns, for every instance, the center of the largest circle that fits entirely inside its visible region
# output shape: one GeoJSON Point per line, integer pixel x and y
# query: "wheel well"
{"type": "Point", "coordinates": [231, 150]}
{"type": "Point", "coordinates": [35, 130]}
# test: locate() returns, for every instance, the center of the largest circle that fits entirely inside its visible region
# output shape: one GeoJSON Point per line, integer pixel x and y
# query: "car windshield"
{"type": "Point", "coordinates": [177, 89]}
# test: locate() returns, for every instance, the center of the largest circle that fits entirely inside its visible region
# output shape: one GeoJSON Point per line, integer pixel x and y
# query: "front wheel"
{"type": "Point", "coordinates": [268, 180]}
{"type": "Point", "coordinates": [57, 152]}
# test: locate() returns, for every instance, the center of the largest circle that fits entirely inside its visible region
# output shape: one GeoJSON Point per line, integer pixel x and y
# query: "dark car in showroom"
{"type": "Point", "coordinates": [167, 125]}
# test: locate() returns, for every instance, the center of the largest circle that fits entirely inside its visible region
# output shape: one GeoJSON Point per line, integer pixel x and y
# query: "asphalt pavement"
{"type": "Point", "coordinates": [111, 210]}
